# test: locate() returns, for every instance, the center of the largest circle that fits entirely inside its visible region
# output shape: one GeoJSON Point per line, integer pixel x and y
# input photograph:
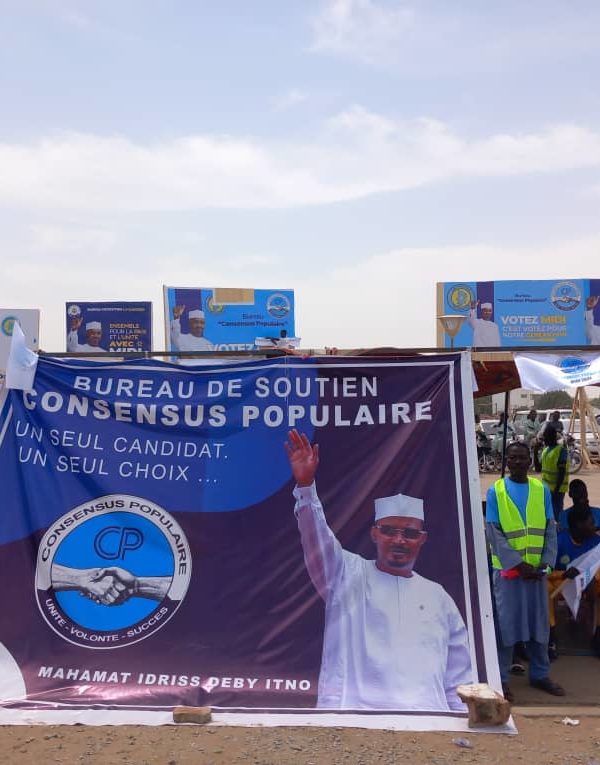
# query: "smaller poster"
{"type": "Point", "coordinates": [226, 319]}
{"type": "Point", "coordinates": [511, 314]}
{"type": "Point", "coordinates": [109, 327]}
{"type": "Point", "coordinates": [29, 319]}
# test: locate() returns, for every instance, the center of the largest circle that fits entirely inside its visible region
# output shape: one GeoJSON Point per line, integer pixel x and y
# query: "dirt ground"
{"type": "Point", "coordinates": [591, 477]}
{"type": "Point", "coordinates": [544, 741]}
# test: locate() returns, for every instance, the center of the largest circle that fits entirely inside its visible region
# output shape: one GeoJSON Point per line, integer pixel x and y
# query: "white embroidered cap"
{"type": "Point", "coordinates": [196, 314]}
{"type": "Point", "coordinates": [93, 325]}
{"type": "Point", "coordinates": [399, 506]}
{"type": "Point", "coordinates": [486, 305]}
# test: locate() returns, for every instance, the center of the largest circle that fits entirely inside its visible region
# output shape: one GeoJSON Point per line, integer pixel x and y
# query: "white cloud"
{"type": "Point", "coordinates": [59, 240]}
{"type": "Point", "coordinates": [355, 154]}
{"type": "Point", "coordinates": [383, 299]}
{"type": "Point", "coordinates": [366, 29]}
{"type": "Point", "coordinates": [252, 261]}
{"type": "Point", "coordinates": [48, 283]}
{"type": "Point", "coordinates": [76, 19]}
{"type": "Point", "coordinates": [289, 100]}
{"type": "Point", "coordinates": [425, 39]}
{"type": "Point", "coordinates": [389, 299]}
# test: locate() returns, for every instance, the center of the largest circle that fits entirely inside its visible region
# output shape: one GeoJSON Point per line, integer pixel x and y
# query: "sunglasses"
{"type": "Point", "coordinates": [410, 534]}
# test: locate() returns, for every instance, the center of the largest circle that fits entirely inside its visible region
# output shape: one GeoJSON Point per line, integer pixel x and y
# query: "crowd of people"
{"type": "Point", "coordinates": [533, 540]}
{"type": "Point", "coordinates": [531, 431]}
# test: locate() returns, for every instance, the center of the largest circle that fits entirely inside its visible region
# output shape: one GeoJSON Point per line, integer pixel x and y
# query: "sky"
{"type": "Point", "coordinates": [356, 151]}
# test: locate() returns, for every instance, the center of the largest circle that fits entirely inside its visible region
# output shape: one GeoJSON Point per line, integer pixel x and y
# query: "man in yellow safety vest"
{"type": "Point", "coordinates": [555, 469]}
{"type": "Point", "coordinates": [521, 532]}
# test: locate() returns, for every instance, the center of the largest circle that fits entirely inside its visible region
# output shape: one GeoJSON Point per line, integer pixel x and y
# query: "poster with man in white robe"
{"type": "Point", "coordinates": [150, 546]}
{"type": "Point", "coordinates": [379, 612]}
{"type": "Point", "coordinates": [227, 318]}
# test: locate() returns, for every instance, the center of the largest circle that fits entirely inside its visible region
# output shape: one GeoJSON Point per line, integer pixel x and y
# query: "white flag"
{"type": "Point", "coordinates": [587, 565]}
{"type": "Point", "coordinates": [557, 371]}
{"type": "Point", "coordinates": [22, 362]}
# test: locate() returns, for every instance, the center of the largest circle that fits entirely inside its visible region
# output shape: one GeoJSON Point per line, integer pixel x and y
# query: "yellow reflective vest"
{"type": "Point", "coordinates": [527, 538]}
{"type": "Point", "coordinates": [550, 457]}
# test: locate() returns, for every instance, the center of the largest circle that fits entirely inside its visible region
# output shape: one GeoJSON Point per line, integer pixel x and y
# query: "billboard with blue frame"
{"type": "Point", "coordinates": [550, 313]}
{"type": "Point", "coordinates": [225, 319]}
{"type": "Point", "coordinates": [108, 327]}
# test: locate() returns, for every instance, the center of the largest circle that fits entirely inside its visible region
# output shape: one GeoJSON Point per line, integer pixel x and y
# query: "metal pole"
{"type": "Point", "coordinates": [505, 430]}
{"type": "Point", "coordinates": [311, 352]}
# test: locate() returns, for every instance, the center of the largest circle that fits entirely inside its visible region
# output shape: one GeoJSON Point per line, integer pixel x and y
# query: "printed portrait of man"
{"type": "Point", "coordinates": [485, 330]}
{"type": "Point", "coordinates": [194, 340]}
{"type": "Point", "coordinates": [93, 336]}
{"type": "Point", "coordinates": [393, 639]}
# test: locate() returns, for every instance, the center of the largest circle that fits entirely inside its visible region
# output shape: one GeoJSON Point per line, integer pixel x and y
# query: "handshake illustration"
{"type": "Point", "coordinates": [110, 586]}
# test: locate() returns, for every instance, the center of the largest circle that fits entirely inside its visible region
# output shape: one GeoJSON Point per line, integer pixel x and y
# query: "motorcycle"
{"type": "Point", "coordinates": [490, 461]}
{"type": "Point", "coordinates": [574, 454]}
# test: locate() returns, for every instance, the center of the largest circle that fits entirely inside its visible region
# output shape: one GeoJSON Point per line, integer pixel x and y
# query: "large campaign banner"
{"type": "Point", "coordinates": [225, 319]}
{"type": "Point", "coordinates": [109, 327]}
{"type": "Point", "coordinates": [286, 537]}
{"type": "Point", "coordinates": [542, 313]}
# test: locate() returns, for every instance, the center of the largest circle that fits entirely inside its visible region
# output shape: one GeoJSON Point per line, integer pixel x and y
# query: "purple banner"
{"type": "Point", "coordinates": [293, 534]}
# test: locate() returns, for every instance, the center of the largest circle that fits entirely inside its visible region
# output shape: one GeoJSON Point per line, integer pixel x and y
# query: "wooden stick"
{"type": "Point", "coordinates": [559, 589]}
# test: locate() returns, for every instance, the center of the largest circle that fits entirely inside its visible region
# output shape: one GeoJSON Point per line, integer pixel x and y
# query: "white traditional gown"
{"type": "Point", "coordinates": [185, 342]}
{"type": "Point", "coordinates": [485, 333]}
{"type": "Point", "coordinates": [390, 642]}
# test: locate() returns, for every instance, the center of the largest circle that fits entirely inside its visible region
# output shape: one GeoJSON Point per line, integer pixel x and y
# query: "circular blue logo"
{"type": "Point", "coordinates": [278, 305]}
{"type": "Point", "coordinates": [8, 322]}
{"type": "Point", "coordinates": [459, 297]}
{"type": "Point", "coordinates": [573, 364]}
{"type": "Point", "coordinates": [111, 572]}
{"type": "Point", "coordinates": [214, 307]}
{"type": "Point", "coordinates": [565, 296]}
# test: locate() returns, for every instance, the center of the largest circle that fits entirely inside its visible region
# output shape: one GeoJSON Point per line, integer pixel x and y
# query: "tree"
{"type": "Point", "coordinates": [554, 399]}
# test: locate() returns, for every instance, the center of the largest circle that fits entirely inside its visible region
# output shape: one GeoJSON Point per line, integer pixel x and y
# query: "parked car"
{"type": "Point", "coordinates": [591, 440]}
{"type": "Point", "coordinates": [592, 443]}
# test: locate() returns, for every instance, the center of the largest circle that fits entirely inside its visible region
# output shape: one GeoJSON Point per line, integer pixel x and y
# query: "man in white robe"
{"type": "Point", "coordinates": [195, 340]}
{"type": "Point", "coordinates": [592, 331]}
{"type": "Point", "coordinates": [93, 335]}
{"type": "Point", "coordinates": [393, 640]}
{"type": "Point", "coordinates": [485, 331]}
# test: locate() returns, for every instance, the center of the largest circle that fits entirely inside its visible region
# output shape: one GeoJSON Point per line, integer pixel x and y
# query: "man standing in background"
{"type": "Point", "coordinates": [521, 531]}
{"type": "Point", "coordinates": [555, 469]}
{"type": "Point", "coordinates": [531, 428]}
{"type": "Point", "coordinates": [552, 423]}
